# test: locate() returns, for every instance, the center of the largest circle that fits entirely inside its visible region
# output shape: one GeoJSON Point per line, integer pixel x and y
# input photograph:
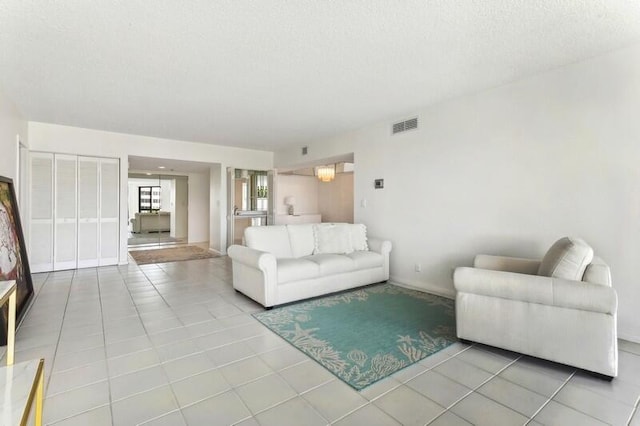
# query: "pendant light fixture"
{"type": "Point", "coordinates": [326, 173]}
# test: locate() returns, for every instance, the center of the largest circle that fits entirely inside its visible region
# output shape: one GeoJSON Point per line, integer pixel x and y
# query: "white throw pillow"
{"type": "Point", "coordinates": [332, 238]}
{"type": "Point", "coordinates": [567, 258]}
{"type": "Point", "coordinates": [359, 237]}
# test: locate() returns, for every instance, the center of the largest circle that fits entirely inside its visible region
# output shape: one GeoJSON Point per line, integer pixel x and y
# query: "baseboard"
{"type": "Point", "coordinates": [217, 252]}
{"type": "Point", "coordinates": [425, 287]}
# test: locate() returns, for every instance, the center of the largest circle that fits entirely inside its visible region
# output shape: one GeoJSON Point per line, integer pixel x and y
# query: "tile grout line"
{"type": "Point", "coordinates": [550, 398]}
{"type": "Point", "coordinates": [55, 352]}
{"type": "Point", "coordinates": [80, 387]}
{"type": "Point", "coordinates": [104, 339]}
{"type": "Point", "coordinates": [173, 394]}
{"type": "Point", "coordinates": [404, 383]}
{"type": "Point", "coordinates": [475, 390]}
{"type": "Point", "coordinates": [29, 308]}
{"type": "Point", "coordinates": [146, 422]}
{"type": "Point", "coordinates": [64, 419]}
{"type": "Point", "coordinates": [635, 411]}
{"type": "Point", "coordinates": [231, 389]}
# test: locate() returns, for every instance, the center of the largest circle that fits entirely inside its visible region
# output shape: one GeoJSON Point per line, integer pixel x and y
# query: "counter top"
{"type": "Point", "coordinates": [257, 213]}
{"type": "Point", "coordinates": [288, 219]}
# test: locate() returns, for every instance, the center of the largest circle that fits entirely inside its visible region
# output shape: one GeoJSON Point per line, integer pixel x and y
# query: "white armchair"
{"type": "Point", "coordinates": [568, 316]}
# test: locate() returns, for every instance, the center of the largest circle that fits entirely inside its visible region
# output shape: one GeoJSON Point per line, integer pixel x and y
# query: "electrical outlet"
{"type": "Point", "coordinates": [418, 267]}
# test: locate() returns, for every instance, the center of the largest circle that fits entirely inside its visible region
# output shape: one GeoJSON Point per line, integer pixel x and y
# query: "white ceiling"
{"type": "Point", "coordinates": [268, 73]}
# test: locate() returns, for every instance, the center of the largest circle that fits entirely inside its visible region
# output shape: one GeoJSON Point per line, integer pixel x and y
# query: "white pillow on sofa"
{"type": "Point", "coordinates": [332, 238]}
{"type": "Point", "coordinates": [567, 258]}
{"type": "Point", "coordinates": [359, 237]}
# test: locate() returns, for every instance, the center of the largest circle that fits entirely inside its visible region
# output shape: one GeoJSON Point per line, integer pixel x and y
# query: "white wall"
{"type": "Point", "coordinates": [11, 125]}
{"type": "Point", "coordinates": [218, 209]}
{"type": "Point", "coordinates": [335, 199]}
{"type": "Point", "coordinates": [75, 140]}
{"type": "Point", "coordinates": [303, 188]}
{"type": "Point", "coordinates": [13, 128]}
{"type": "Point", "coordinates": [180, 198]}
{"type": "Point", "coordinates": [508, 171]}
{"type": "Point", "coordinates": [198, 207]}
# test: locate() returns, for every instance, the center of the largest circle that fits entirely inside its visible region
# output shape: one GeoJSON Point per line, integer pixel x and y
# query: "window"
{"type": "Point", "coordinates": [148, 198]}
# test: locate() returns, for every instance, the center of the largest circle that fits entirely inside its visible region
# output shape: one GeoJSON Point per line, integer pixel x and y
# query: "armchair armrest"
{"type": "Point", "coordinates": [379, 245]}
{"type": "Point", "coordinates": [536, 289]}
{"type": "Point", "coordinates": [507, 264]}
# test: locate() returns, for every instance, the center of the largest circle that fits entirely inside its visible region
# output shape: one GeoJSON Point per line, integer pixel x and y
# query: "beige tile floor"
{"type": "Point", "coordinates": [173, 344]}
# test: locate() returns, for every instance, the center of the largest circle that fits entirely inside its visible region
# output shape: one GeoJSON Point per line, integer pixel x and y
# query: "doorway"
{"type": "Point", "coordinates": [158, 210]}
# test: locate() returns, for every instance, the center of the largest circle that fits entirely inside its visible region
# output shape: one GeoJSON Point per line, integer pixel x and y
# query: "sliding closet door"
{"type": "Point", "coordinates": [65, 211]}
{"type": "Point", "coordinates": [109, 211]}
{"type": "Point", "coordinates": [41, 220]}
{"type": "Point", "coordinates": [88, 212]}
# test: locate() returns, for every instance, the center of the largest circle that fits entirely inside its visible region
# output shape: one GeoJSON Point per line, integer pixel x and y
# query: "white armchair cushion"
{"type": "Point", "coordinates": [567, 258]}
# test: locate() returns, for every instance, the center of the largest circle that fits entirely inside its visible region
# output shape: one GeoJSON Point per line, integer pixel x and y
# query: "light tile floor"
{"type": "Point", "coordinates": [173, 344]}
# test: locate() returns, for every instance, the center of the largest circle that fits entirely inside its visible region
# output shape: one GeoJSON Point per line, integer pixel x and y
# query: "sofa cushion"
{"type": "Point", "coordinates": [272, 239]}
{"type": "Point", "coordinates": [366, 259]}
{"type": "Point", "coordinates": [359, 236]}
{"type": "Point", "coordinates": [332, 238]}
{"type": "Point", "coordinates": [332, 263]}
{"type": "Point", "coordinates": [567, 259]}
{"type": "Point", "coordinates": [296, 269]}
{"type": "Point", "coordinates": [302, 239]}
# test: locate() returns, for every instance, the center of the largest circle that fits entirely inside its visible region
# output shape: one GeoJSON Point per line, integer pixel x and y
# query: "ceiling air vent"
{"type": "Point", "coordinates": [403, 126]}
{"type": "Point", "coordinates": [305, 150]}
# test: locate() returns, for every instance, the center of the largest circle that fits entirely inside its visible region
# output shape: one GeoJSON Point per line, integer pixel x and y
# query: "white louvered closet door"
{"type": "Point", "coordinates": [88, 199]}
{"type": "Point", "coordinates": [109, 211]}
{"type": "Point", "coordinates": [41, 220]}
{"type": "Point", "coordinates": [65, 212]}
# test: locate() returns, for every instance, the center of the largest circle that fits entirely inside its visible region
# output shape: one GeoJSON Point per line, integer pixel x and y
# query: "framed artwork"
{"type": "Point", "coordinates": [13, 255]}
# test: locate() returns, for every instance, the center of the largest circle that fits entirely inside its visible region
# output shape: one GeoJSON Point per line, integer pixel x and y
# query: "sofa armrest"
{"type": "Point", "coordinates": [379, 245]}
{"type": "Point", "coordinates": [536, 289]}
{"type": "Point", "coordinates": [262, 260]}
{"type": "Point", "coordinates": [507, 264]}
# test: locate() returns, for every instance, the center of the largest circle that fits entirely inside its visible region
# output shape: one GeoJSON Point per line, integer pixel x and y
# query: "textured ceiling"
{"type": "Point", "coordinates": [267, 73]}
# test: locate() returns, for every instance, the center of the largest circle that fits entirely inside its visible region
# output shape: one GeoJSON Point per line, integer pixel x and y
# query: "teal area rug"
{"type": "Point", "coordinates": [365, 335]}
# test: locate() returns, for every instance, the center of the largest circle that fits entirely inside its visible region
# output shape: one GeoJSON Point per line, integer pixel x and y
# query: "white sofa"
{"type": "Point", "coordinates": [562, 308]}
{"type": "Point", "coordinates": [285, 263]}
